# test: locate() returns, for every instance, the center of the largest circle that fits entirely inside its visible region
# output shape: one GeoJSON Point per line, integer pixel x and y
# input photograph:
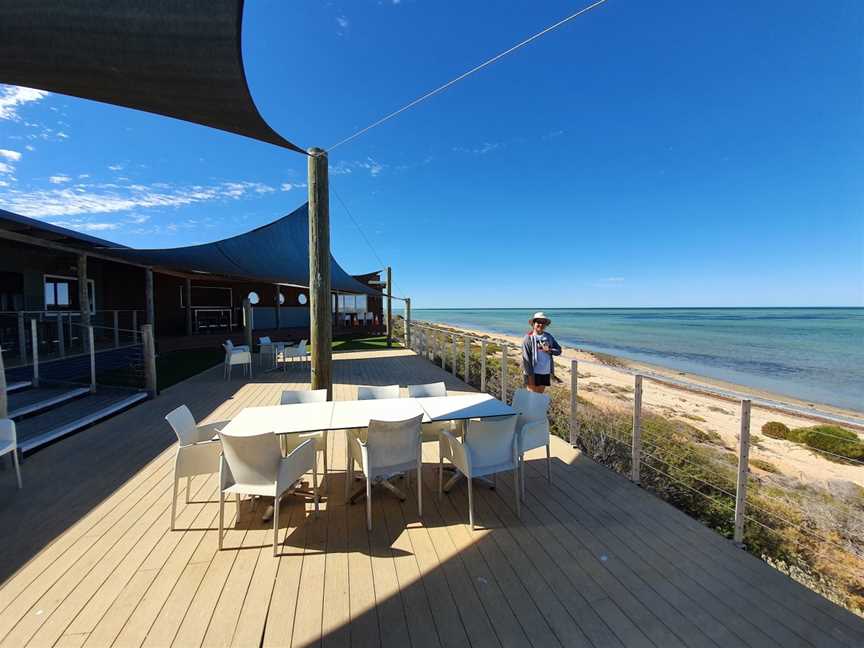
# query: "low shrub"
{"type": "Point", "coordinates": [835, 440]}
{"type": "Point", "coordinates": [767, 466]}
{"type": "Point", "coordinates": [775, 430]}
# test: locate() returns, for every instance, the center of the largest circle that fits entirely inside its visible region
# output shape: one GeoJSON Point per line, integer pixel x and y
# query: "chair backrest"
{"type": "Point", "coordinates": [184, 425]}
{"type": "Point", "coordinates": [490, 441]}
{"type": "Point", "coordinates": [531, 405]}
{"type": "Point", "coordinates": [228, 345]}
{"type": "Point", "coordinates": [393, 443]}
{"type": "Point", "coordinates": [427, 390]}
{"type": "Point", "coordinates": [374, 392]}
{"type": "Point", "coordinates": [301, 348]}
{"type": "Point", "coordinates": [252, 460]}
{"type": "Point", "coordinates": [294, 396]}
{"type": "Point", "coordinates": [7, 431]}
{"type": "Point", "coordinates": [264, 340]}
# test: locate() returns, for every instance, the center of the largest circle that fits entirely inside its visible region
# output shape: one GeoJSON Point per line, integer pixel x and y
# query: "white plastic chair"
{"type": "Point", "coordinates": [198, 450]}
{"type": "Point", "coordinates": [488, 447]}
{"type": "Point", "coordinates": [429, 390]}
{"type": "Point", "coordinates": [532, 428]}
{"type": "Point", "coordinates": [373, 392]}
{"type": "Point", "coordinates": [289, 353]}
{"type": "Point", "coordinates": [390, 448]}
{"type": "Point", "coordinates": [9, 444]}
{"type": "Point", "coordinates": [254, 465]}
{"type": "Point", "coordinates": [236, 356]}
{"type": "Point", "coordinates": [291, 441]}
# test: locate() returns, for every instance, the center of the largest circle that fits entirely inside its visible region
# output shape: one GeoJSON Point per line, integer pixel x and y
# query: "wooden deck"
{"type": "Point", "coordinates": [86, 558]}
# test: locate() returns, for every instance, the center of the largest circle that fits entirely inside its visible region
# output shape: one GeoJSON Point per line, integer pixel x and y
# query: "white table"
{"type": "Point", "coordinates": [461, 408]}
{"type": "Point", "coordinates": [282, 419]}
{"type": "Point", "coordinates": [357, 414]}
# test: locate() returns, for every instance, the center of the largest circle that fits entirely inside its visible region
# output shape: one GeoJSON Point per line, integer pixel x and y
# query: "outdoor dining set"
{"type": "Point", "coordinates": [271, 354]}
{"type": "Point", "coordinates": [268, 451]}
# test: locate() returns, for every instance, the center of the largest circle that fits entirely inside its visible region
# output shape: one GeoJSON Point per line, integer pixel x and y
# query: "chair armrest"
{"type": "Point", "coordinates": [208, 431]}
{"type": "Point", "coordinates": [298, 462]}
{"type": "Point", "coordinates": [453, 449]}
{"type": "Point", "coordinates": [533, 434]}
{"type": "Point", "coordinates": [240, 347]}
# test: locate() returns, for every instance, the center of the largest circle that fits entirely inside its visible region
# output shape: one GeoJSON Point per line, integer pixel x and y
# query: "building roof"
{"type": "Point", "coordinates": [179, 58]}
{"type": "Point", "coordinates": [276, 253]}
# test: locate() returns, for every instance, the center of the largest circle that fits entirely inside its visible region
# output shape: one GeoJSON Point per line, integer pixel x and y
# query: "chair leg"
{"type": "Point", "coordinates": [188, 488]}
{"type": "Point", "coordinates": [419, 487]}
{"type": "Point", "coordinates": [548, 464]}
{"type": "Point", "coordinates": [221, 516]}
{"type": "Point", "coordinates": [349, 474]}
{"type": "Point", "coordinates": [470, 501]}
{"type": "Point", "coordinates": [516, 489]}
{"type": "Point", "coordinates": [174, 503]}
{"type": "Point", "coordinates": [275, 525]}
{"type": "Point", "coordinates": [325, 453]}
{"type": "Point", "coordinates": [315, 487]}
{"type": "Point", "coordinates": [368, 503]}
{"type": "Point", "coordinates": [440, 477]}
{"type": "Point", "coordinates": [237, 501]}
{"type": "Point", "coordinates": [17, 468]}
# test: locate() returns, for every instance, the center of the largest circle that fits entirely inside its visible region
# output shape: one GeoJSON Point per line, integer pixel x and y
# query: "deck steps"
{"type": "Point", "coordinates": [18, 386]}
{"type": "Point", "coordinates": [37, 400]}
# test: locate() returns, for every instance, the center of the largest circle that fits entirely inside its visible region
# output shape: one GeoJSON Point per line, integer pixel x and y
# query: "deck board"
{"type": "Point", "coordinates": [594, 560]}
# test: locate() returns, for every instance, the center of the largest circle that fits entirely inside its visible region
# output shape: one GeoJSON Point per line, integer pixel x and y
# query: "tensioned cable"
{"type": "Point", "coordinates": [477, 68]}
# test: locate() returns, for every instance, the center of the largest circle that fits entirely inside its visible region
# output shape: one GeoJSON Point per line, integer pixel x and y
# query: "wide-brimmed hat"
{"type": "Point", "coordinates": [540, 315]}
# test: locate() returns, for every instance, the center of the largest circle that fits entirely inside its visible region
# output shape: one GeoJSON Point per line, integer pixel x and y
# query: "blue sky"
{"type": "Point", "coordinates": [647, 154]}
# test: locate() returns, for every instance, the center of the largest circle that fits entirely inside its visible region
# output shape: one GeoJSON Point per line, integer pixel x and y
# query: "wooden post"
{"type": "Point", "coordinates": [187, 294]}
{"type": "Point", "coordinates": [135, 327]}
{"type": "Point", "coordinates": [22, 339]}
{"type": "Point", "coordinates": [389, 306]}
{"type": "Point", "coordinates": [453, 355]}
{"type": "Point", "coordinates": [467, 342]}
{"type": "Point", "coordinates": [247, 323]}
{"type": "Point", "coordinates": [149, 359]}
{"type": "Point", "coordinates": [483, 366]}
{"type": "Point", "coordinates": [83, 300]}
{"type": "Point", "coordinates": [408, 322]}
{"type": "Point", "coordinates": [149, 312]}
{"type": "Point", "coordinates": [504, 372]}
{"type": "Point", "coordinates": [336, 311]}
{"type": "Point", "coordinates": [116, 316]}
{"type": "Point", "coordinates": [278, 308]}
{"type": "Point", "coordinates": [4, 399]}
{"type": "Point", "coordinates": [61, 335]}
{"type": "Point", "coordinates": [34, 341]}
{"type": "Point", "coordinates": [442, 349]}
{"type": "Point", "coordinates": [92, 351]}
{"type": "Point", "coordinates": [636, 449]}
{"type": "Point", "coordinates": [743, 473]}
{"type": "Point", "coordinates": [574, 402]}
{"type": "Point", "coordinates": [320, 315]}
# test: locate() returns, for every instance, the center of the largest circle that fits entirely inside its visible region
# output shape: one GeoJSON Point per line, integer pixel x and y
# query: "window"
{"type": "Point", "coordinates": [252, 297]}
{"type": "Point", "coordinates": [302, 298]}
{"type": "Point", "coordinates": [61, 293]}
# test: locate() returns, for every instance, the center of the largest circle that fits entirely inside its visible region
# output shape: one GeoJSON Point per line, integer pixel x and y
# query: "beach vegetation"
{"type": "Point", "coordinates": [775, 430]}
{"type": "Point", "coordinates": [767, 466]}
{"type": "Point", "coordinates": [608, 359]}
{"type": "Point", "coordinates": [838, 443]}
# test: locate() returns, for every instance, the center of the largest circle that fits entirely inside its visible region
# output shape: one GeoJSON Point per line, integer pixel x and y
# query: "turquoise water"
{"type": "Point", "coordinates": [814, 354]}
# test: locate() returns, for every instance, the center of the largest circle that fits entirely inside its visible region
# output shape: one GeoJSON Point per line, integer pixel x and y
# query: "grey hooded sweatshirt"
{"type": "Point", "coordinates": [529, 353]}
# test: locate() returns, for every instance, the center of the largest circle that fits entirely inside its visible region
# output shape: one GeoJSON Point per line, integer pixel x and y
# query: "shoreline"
{"type": "Point", "coordinates": [696, 383]}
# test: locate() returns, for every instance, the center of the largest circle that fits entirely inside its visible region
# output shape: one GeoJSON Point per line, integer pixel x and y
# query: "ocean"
{"type": "Point", "coordinates": [813, 354]}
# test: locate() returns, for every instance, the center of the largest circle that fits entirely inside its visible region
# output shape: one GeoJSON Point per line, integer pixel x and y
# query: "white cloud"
{"type": "Point", "coordinates": [483, 149]}
{"type": "Point", "coordinates": [6, 168]}
{"type": "Point", "coordinates": [369, 164]}
{"type": "Point", "coordinates": [30, 147]}
{"type": "Point", "coordinates": [342, 21]}
{"type": "Point", "coordinates": [288, 186]}
{"type": "Point", "coordinates": [59, 179]}
{"type": "Point", "coordinates": [62, 135]}
{"type": "Point", "coordinates": [84, 226]}
{"type": "Point", "coordinates": [115, 167]}
{"type": "Point", "coordinates": [12, 97]}
{"type": "Point", "coordinates": [13, 156]}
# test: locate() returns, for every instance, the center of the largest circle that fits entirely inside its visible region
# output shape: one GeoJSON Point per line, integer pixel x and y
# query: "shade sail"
{"type": "Point", "coordinates": [179, 58]}
{"type": "Point", "coordinates": [277, 253]}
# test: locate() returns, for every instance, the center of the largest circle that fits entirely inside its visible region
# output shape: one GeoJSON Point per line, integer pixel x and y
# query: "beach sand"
{"type": "Point", "coordinates": [607, 385]}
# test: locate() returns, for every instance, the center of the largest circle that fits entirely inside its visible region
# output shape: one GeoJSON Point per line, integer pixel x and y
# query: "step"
{"type": "Point", "coordinates": [18, 386]}
{"type": "Point", "coordinates": [34, 401]}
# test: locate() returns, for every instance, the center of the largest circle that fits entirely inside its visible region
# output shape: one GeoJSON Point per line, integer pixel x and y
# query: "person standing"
{"type": "Point", "coordinates": [538, 347]}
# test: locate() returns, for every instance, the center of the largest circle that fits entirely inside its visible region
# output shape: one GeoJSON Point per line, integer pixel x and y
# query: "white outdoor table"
{"type": "Point", "coordinates": [460, 408]}
{"type": "Point", "coordinates": [357, 414]}
{"type": "Point", "coordinates": [282, 419]}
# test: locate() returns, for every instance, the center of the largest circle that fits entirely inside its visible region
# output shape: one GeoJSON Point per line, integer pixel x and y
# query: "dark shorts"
{"type": "Point", "coordinates": [541, 380]}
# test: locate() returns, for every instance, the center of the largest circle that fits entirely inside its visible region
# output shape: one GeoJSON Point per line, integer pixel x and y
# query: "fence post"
{"type": "Point", "coordinates": [61, 334]}
{"type": "Point", "coordinates": [483, 366]}
{"type": "Point", "coordinates": [116, 329]}
{"type": "Point", "coordinates": [467, 341]}
{"type": "Point", "coordinates": [247, 323]}
{"type": "Point", "coordinates": [743, 472]}
{"type": "Point", "coordinates": [637, 430]}
{"type": "Point", "coordinates": [453, 354]}
{"type": "Point", "coordinates": [442, 348]}
{"type": "Point", "coordinates": [34, 340]}
{"type": "Point", "coordinates": [504, 372]}
{"type": "Point", "coordinates": [4, 399]}
{"type": "Point", "coordinates": [408, 322]}
{"type": "Point", "coordinates": [149, 359]}
{"type": "Point", "coordinates": [92, 347]}
{"type": "Point", "coordinates": [135, 327]}
{"type": "Point", "coordinates": [22, 339]}
{"type": "Point", "coordinates": [574, 402]}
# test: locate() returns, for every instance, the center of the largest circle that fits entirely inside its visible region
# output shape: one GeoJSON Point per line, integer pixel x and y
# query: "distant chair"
{"type": "Point", "coordinates": [254, 465]}
{"type": "Point", "coordinates": [390, 448]}
{"type": "Point", "coordinates": [290, 353]}
{"type": "Point", "coordinates": [532, 428]}
{"type": "Point", "coordinates": [488, 447]}
{"type": "Point", "coordinates": [373, 392]}
{"type": "Point", "coordinates": [197, 452]}
{"type": "Point", "coordinates": [291, 441]}
{"type": "Point", "coordinates": [9, 444]}
{"type": "Point", "coordinates": [429, 390]}
{"type": "Point", "coordinates": [236, 356]}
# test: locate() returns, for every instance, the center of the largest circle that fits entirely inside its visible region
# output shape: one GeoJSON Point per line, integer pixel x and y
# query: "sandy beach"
{"type": "Point", "coordinates": [604, 384]}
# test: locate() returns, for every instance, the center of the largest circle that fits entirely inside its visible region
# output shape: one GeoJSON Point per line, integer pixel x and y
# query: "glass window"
{"type": "Point", "coordinates": [252, 297]}
{"type": "Point", "coordinates": [62, 298]}
{"type": "Point", "coordinates": [302, 298]}
{"type": "Point", "coordinates": [49, 294]}
{"type": "Point", "coordinates": [361, 303]}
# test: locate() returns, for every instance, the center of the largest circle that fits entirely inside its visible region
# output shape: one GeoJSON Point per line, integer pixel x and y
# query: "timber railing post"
{"type": "Point", "coordinates": [247, 324]}
{"type": "Point", "coordinates": [636, 449]}
{"type": "Point", "coordinates": [743, 472]}
{"type": "Point", "coordinates": [453, 354]}
{"type": "Point", "coordinates": [408, 322]}
{"type": "Point", "coordinates": [483, 366]}
{"type": "Point", "coordinates": [442, 349]}
{"type": "Point", "coordinates": [149, 359]}
{"type": "Point", "coordinates": [574, 402]}
{"type": "Point", "coordinates": [504, 372]}
{"type": "Point", "coordinates": [467, 341]}
{"type": "Point", "coordinates": [4, 399]}
{"type": "Point", "coordinates": [22, 339]}
{"type": "Point", "coordinates": [116, 329]}
{"type": "Point", "coordinates": [34, 340]}
{"type": "Point", "coordinates": [389, 306]}
{"type": "Point", "coordinates": [135, 327]}
{"type": "Point", "coordinates": [320, 305]}
{"type": "Point", "coordinates": [92, 351]}
{"type": "Point", "coordinates": [61, 335]}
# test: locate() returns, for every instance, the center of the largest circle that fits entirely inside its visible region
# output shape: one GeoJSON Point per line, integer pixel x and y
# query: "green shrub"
{"type": "Point", "coordinates": [776, 430]}
{"type": "Point", "coordinates": [836, 440]}
{"type": "Point", "coordinates": [767, 466]}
